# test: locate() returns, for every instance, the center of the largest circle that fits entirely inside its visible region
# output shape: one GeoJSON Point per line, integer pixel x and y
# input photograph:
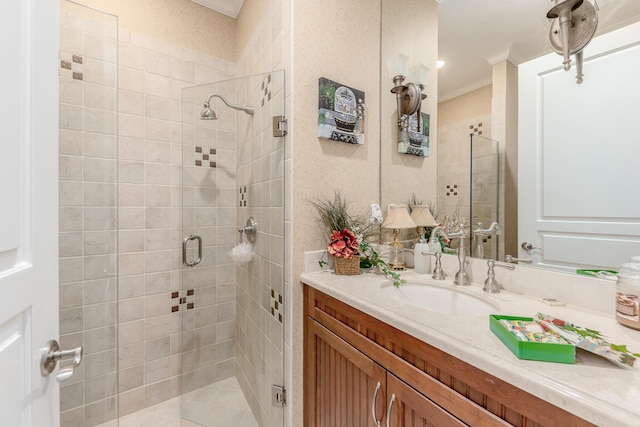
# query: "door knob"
{"type": "Point", "coordinates": [529, 246]}
{"type": "Point", "coordinates": [52, 354]}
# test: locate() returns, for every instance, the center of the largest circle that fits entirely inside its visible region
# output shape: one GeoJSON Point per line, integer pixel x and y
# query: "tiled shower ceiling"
{"type": "Point", "coordinates": [228, 7]}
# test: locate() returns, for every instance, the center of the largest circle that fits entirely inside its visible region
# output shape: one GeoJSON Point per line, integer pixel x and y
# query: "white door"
{"type": "Point", "coordinates": [579, 156]}
{"type": "Point", "coordinates": [28, 210]}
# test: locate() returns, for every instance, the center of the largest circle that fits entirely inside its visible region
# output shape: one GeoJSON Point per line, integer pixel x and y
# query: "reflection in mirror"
{"type": "Point", "coordinates": [483, 211]}
{"type": "Point", "coordinates": [483, 46]}
{"type": "Point", "coordinates": [409, 29]}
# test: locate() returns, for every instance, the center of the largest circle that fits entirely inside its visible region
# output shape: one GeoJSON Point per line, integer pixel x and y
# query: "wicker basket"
{"type": "Point", "coordinates": [347, 266]}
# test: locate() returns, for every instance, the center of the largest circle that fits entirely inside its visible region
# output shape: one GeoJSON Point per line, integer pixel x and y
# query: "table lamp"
{"type": "Point", "coordinates": [421, 215]}
{"type": "Point", "coordinates": [397, 218]}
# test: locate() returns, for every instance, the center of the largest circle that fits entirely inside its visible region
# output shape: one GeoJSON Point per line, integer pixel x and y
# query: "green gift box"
{"type": "Point", "coordinates": [546, 352]}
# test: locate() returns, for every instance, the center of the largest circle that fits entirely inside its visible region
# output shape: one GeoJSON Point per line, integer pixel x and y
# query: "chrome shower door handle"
{"type": "Point", "coordinates": [52, 354]}
{"type": "Point", "coordinates": [184, 251]}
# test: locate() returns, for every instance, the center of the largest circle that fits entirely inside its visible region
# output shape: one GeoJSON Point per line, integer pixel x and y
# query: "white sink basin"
{"type": "Point", "coordinates": [440, 299]}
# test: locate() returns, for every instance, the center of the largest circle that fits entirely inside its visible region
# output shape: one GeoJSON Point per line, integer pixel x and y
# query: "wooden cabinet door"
{"type": "Point", "coordinates": [344, 387]}
{"type": "Point", "coordinates": [408, 408]}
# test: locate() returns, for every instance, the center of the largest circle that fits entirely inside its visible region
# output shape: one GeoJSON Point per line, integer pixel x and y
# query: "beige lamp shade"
{"type": "Point", "coordinates": [421, 215]}
{"type": "Point", "coordinates": [398, 217]}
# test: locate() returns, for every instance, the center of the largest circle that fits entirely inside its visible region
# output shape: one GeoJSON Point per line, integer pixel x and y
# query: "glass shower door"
{"type": "Point", "coordinates": [231, 310]}
{"type": "Point", "coordinates": [484, 195]}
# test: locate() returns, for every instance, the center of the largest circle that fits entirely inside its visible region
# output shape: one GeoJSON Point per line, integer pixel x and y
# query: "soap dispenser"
{"type": "Point", "coordinates": [434, 245]}
{"type": "Point", "coordinates": [421, 259]}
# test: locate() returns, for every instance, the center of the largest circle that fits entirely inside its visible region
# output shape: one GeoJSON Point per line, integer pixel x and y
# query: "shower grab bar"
{"type": "Point", "coordinates": [184, 251]}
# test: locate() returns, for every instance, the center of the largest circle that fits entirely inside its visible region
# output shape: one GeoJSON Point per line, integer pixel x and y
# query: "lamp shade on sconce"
{"type": "Point", "coordinates": [398, 65]}
{"type": "Point", "coordinates": [419, 74]}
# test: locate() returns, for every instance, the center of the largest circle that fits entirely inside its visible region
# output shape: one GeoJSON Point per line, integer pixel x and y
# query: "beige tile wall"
{"type": "Point", "coordinates": [147, 154]}
{"type": "Point", "coordinates": [158, 132]}
{"type": "Point", "coordinates": [87, 204]}
{"type": "Point", "coordinates": [458, 118]}
{"type": "Point", "coordinates": [260, 295]}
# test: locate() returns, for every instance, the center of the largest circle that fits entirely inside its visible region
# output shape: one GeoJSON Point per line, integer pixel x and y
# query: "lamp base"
{"type": "Point", "coordinates": [397, 262]}
{"type": "Point", "coordinates": [398, 267]}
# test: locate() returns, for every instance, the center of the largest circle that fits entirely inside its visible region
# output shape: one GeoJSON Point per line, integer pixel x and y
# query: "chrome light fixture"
{"type": "Point", "coordinates": [573, 24]}
{"type": "Point", "coordinates": [409, 95]}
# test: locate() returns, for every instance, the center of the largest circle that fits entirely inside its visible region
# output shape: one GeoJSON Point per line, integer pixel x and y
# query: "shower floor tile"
{"type": "Point", "coordinates": [216, 405]}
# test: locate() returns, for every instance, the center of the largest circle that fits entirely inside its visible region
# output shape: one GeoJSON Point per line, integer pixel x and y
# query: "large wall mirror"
{"type": "Point", "coordinates": [474, 106]}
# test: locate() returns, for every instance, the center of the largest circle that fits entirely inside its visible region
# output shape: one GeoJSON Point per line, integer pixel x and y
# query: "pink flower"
{"type": "Point", "coordinates": [343, 244]}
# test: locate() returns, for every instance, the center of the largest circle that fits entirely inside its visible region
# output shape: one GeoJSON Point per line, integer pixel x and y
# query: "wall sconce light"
{"type": "Point", "coordinates": [409, 95]}
{"type": "Point", "coordinates": [573, 24]}
{"type": "Point", "coordinates": [397, 218]}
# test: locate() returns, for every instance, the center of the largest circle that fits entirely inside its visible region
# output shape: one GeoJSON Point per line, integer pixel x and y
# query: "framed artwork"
{"type": "Point", "coordinates": [340, 112]}
{"type": "Point", "coordinates": [415, 140]}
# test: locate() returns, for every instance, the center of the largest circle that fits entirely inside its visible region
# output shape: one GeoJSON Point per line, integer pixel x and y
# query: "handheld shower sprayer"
{"type": "Point", "coordinates": [208, 114]}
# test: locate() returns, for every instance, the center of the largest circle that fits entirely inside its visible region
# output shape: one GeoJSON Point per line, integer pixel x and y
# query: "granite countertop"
{"type": "Point", "coordinates": [592, 388]}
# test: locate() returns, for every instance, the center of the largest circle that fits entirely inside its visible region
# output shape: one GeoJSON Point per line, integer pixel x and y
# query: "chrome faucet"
{"type": "Point", "coordinates": [478, 234]}
{"type": "Point", "coordinates": [491, 284]}
{"type": "Point", "coordinates": [461, 277]}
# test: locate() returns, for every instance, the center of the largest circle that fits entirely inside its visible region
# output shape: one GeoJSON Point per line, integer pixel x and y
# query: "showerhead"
{"type": "Point", "coordinates": [208, 114]}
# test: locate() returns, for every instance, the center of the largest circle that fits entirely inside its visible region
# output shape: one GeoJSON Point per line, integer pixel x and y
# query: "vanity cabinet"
{"type": "Point", "coordinates": [350, 389]}
{"type": "Point", "coordinates": [357, 366]}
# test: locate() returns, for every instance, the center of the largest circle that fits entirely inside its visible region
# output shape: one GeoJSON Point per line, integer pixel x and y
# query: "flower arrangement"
{"type": "Point", "coordinates": [344, 244]}
{"type": "Point", "coordinates": [350, 236]}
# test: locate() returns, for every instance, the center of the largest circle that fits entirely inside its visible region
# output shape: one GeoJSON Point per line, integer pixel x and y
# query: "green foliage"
{"type": "Point", "coordinates": [327, 95]}
{"type": "Point", "coordinates": [333, 214]}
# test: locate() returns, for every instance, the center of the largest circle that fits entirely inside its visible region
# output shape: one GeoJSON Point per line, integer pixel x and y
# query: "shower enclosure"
{"type": "Point", "coordinates": [232, 192]}
{"type": "Point", "coordinates": [140, 172]}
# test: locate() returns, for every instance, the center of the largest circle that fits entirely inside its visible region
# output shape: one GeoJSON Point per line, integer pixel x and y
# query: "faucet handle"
{"type": "Point", "coordinates": [491, 284]}
{"type": "Point", "coordinates": [438, 273]}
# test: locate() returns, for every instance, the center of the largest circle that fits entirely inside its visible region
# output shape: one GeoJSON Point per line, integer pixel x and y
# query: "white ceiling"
{"type": "Point", "coordinates": [473, 32]}
{"type": "Point", "coordinates": [228, 7]}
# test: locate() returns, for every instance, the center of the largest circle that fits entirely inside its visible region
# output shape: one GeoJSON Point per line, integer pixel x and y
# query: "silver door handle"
{"type": "Point", "coordinates": [528, 246]}
{"type": "Point", "coordinates": [373, 405]}
{"type": "Point", "coordinates": [393, 399]}
{"type": "Point", "coordinates": [52, 354]}
{"type": "Point", "coordinates": [184, 251]}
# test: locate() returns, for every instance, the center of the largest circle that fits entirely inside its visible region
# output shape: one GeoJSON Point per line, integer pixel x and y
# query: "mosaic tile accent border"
{"type": "Point", "coordinates": [205, 157]}
{"type": "Point", "coordinates": [71, 66]}
{"type": "Point", "coordinates": [243, 196]}
{"type": "Point", "coordinates": [277, 305]}
{"type": "Point", "coordinates": [265, 88]}
{"type": "Point", "coordinates": [452, 190]}
{"type": "Point", "coordinates": [184, 300]}
{"type": "Point", "coordinates": [476, 129]}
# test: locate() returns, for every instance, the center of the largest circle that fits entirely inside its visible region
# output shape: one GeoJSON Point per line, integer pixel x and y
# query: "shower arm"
{"type": "Point", "coordinates": [246, 109]}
